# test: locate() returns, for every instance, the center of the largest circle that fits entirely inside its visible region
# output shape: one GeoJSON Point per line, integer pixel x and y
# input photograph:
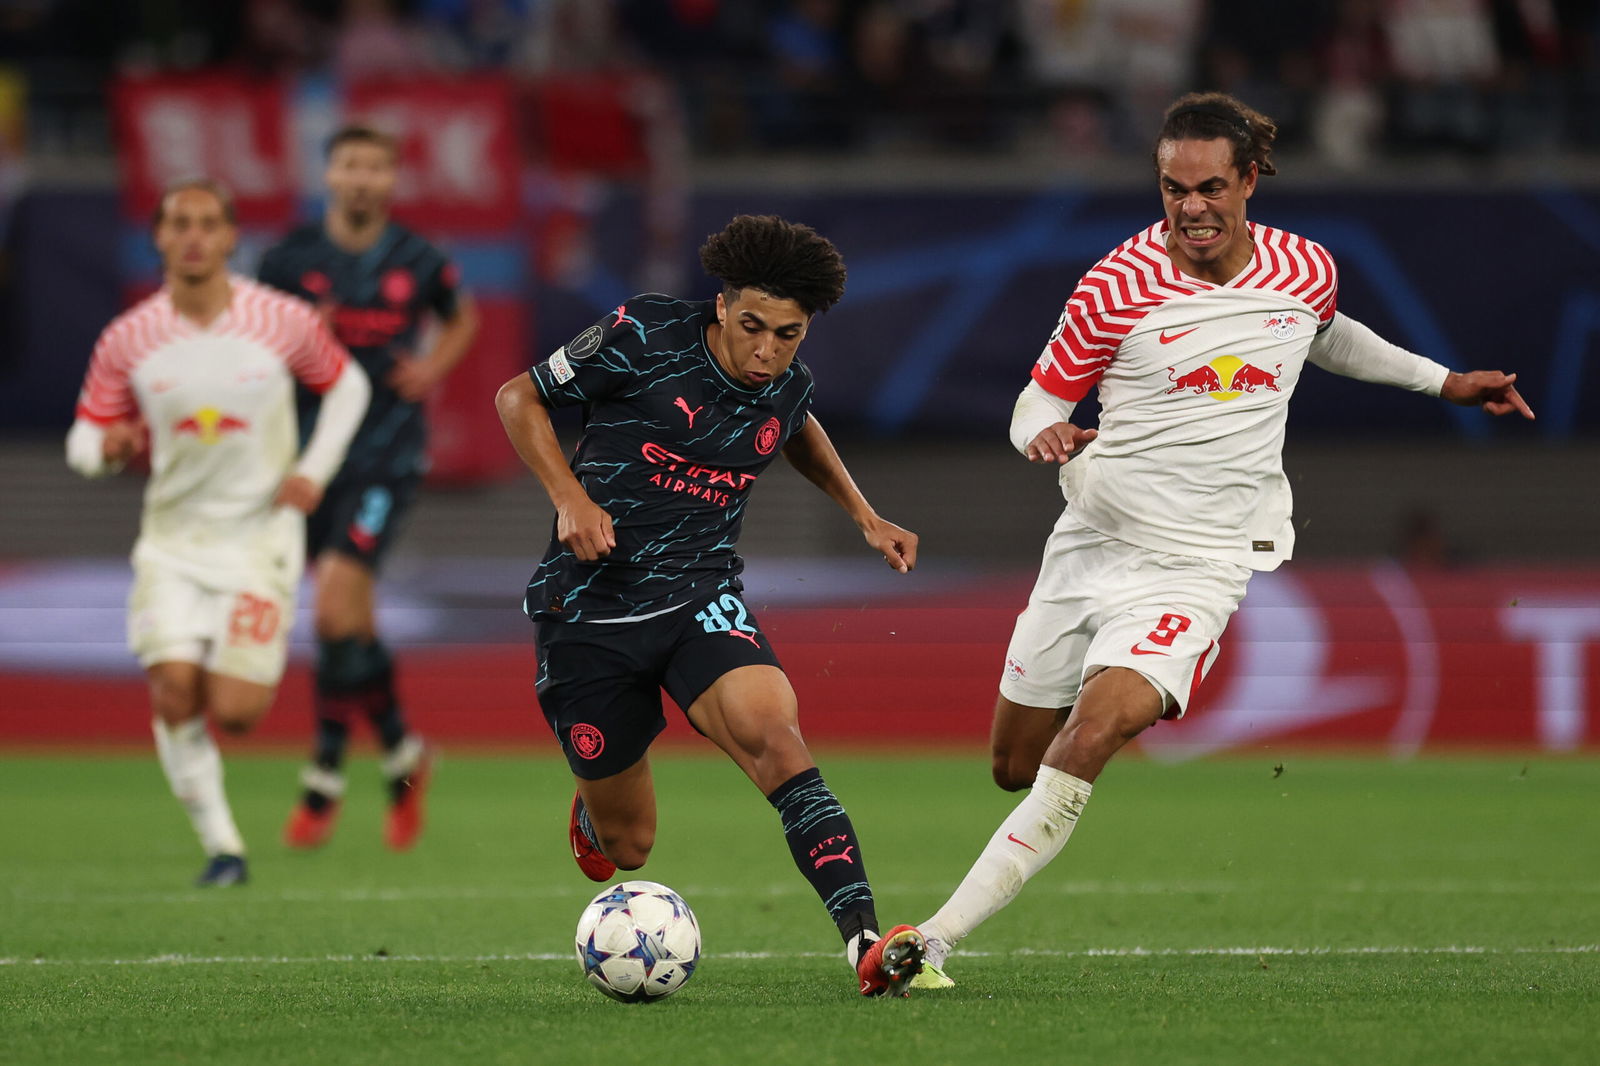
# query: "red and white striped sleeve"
{"type": "Point", "coordinates": [107, 394]}
{"type": "Point", "coordinates": [1108, 302]}
{"type": "Point", "coordinates": [309, 349]}
{"type": "Point", "coordinates": [1323, 291]}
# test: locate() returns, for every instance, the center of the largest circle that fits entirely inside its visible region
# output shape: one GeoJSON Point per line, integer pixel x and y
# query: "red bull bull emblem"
{"type": "Point", "coordinates": [1282, 324]}
{"type": "Point", "coordinates": [210, 425]}
{"type": "Point", "coordinates": [1226, 377]}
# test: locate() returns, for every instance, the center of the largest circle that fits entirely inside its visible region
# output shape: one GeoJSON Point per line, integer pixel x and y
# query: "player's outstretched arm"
{"type": "Point", "coordinates": [581, 525]}
{"type": "Point", "coordinates": [1489, 389]}
{"type": "Point", "coordinates": [812, 453]}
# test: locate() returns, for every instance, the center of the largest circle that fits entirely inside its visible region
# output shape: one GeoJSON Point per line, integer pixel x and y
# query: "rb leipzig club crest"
{"type": "Point", "coordinates": [767, 436]}
{"type": "Point", "coordinates": [1282, 324]}
{"type": "Point", "coordinates": [587, 741]}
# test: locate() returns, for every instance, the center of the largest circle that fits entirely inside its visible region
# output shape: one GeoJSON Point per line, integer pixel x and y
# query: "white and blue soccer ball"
{"type": "Point", "coordinates": [638, 941]}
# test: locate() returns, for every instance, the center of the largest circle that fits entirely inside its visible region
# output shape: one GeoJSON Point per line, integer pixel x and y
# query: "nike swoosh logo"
{"type": "Point", "coordinates": [1013, 838]}
{"type": "Point", "coordinates": [1164, 338]}
{"type": "Point", "coordinates": [1146, 651]}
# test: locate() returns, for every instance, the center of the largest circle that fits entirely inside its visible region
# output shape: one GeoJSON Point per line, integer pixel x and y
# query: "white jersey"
{"type": "Point", "coordinates": [219, 404]}
{"type": "Point", "coordinates": [1194, 381]}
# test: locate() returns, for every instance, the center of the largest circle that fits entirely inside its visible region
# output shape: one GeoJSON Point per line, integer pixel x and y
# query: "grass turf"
{"type": "Point", "coordinates": [1348, 910]}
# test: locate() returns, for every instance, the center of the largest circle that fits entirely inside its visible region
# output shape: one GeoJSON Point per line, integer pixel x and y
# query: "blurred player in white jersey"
{"type": "Point", "coordinates": [206, 369]}
{"type": "Point", "coordinates": [1195, 331]}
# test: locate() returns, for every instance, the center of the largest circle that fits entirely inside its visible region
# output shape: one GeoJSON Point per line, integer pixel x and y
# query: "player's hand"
{"type": "Point", "coordinates": [1488, 389]}
{"type": "Point", "coordinates": [298, 492]}
{"type": "Point", "coordinates": [124, 440]}
{"type": "Point", "coordinates": [1058, 443]}
{"type": "Point", "coordinates": [413, 378]}
{"type": "Point", "coordinates": [585, 529]}
{"type": "Point", "coordinates": [899, 546]}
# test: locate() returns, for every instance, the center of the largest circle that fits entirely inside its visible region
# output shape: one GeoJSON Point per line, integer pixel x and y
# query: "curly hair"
{"type": "Point", "coordinates": [783, 259]}
{"type": "Point", "coordinates": [1213, 116]}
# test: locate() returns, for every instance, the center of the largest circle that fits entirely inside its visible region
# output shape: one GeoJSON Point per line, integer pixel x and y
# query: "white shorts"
{"type": "Point", "coordinates": [237, 629]}
{"type": "Point", "coordinates": [1102, 602]}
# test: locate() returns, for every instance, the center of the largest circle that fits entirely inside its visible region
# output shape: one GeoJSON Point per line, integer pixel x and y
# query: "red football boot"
{"type": "Point", "coordinates": [887, 967]}
{"type": "Point", "coordinates": [595, 866]}
{"type": "Point", "coordinates": [311, 824]}
{"type": "Point", "coordinates": [307, 828]}
{"type": "Point", "coordinates": [404, 822]}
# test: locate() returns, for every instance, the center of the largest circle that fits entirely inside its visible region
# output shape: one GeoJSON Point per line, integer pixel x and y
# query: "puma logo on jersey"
{"type": "Point", "coordinates": [683, 405]}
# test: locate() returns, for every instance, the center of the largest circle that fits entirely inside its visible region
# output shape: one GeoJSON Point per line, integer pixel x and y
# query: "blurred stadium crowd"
{"type": "Point", "coordinates": [1347, 79]}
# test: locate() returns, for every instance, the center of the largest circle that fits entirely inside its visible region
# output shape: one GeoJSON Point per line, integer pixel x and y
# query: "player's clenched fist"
{"type": "Point", "coordinates": [585, 529]}
{"type": "Point", "coordinates": [899, 546]}
{"type": "Point", "coordinates": [1058, 443]}
{"type": "Point", "coordinates": [298, 492]}
{"type": "Point", "coordinates": [124, 439]}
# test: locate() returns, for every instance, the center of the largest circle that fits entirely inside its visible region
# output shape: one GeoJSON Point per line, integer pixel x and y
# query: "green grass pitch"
{"type": "Point", "coordinates": [1343, 911]}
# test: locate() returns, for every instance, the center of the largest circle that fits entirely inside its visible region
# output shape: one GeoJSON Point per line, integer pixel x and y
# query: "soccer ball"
{"type": "Point", "coordinates": [638, 941]}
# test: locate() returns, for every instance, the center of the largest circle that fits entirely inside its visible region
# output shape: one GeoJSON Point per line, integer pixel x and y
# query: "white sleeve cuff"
{"type": "Point", "coordinates": [1036, 411]}
{"type": "Point", "coordinates": [86, 449]}
{"type": "Point", "coordinates": [343, 406]}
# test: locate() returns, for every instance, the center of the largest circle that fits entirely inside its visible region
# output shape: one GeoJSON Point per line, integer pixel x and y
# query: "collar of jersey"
{"type": "Point", "coordinates": [189, 325]}
{"type": "Point", "coordinates": [1164, 227]}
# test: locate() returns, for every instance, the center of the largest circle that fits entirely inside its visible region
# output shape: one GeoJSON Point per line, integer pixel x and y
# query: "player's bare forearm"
{"type": "Point", "coordinates": [456, 336]}
{"type": "Point", "coordinates": [1491, 390]}
{"type": "Point", "coordinates": [580, 524]}
{"type": "Point", "coordinates": [814, 456]}
{"type": "Point", "coordinates": [414, 378]}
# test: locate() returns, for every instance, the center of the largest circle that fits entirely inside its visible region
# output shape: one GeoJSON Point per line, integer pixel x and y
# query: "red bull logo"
{"type": "Point", "coordinates": [210, 425]}
{"type": "Point", "coordinates": [1226, 377]}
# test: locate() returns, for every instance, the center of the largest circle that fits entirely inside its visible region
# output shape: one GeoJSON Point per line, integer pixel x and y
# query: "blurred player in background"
{"type": "Point", "coordinates": [685, 404]}
{"type": "Point", "coordinates": [207, 368]}
{"type": "Point", "coordinates": [376, 282]}
{"type": "Point", "coordinates": [1196, 331]}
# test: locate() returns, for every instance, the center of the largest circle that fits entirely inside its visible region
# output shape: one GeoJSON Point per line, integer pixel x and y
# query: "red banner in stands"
{"type": "Point", "coordinates": [235, 130]}
{"type": "Point", "coordinates": [459, 157]}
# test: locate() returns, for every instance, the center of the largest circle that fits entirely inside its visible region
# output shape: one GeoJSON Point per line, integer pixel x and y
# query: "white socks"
{"type": "Point", "coordinates": [1032, 835]}
{"type": "Point", "coordinates": [193, 766]}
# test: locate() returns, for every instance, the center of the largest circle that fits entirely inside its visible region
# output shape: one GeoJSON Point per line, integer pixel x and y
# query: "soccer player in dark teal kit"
{"type": "Point", "coordinates": [377, 283]}
{"type": "Point", "coordinates": [685, 404]}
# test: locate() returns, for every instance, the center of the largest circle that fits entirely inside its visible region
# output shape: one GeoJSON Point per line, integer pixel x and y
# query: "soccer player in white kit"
{"type": "Point", "coordinates": [1195, 331]}
{"type": "Point", "coordinates": [206, 367]}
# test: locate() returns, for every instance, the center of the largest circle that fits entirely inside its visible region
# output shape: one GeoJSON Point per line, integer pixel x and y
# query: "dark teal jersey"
{"type": "Point", "coordinates": [376, 304]}
{"type": "Point", "coordinates": [671, 449]}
